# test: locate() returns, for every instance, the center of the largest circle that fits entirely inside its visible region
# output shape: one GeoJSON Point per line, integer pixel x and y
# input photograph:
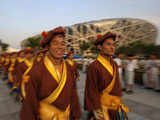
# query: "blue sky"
{"type": "Point", "coordinates": [20, 19]}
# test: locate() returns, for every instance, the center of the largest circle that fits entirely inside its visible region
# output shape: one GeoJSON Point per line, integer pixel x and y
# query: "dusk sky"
{"type": "Point", "coordinates": [20, 19]}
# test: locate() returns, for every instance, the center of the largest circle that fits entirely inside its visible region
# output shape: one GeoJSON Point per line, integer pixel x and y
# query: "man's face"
{"type": "Point", "coordinates": [70, 56]}
{"type": "Point", "coordinates": [41, 54]}
{"type": "Point", "coordinates": [21, 54]}
{"type": "Point", "coordinates": [108, 47]}
{"type": "Point", "coordinates": [57, 47]}
{"type": "Point", "coordinates": [14, 55]}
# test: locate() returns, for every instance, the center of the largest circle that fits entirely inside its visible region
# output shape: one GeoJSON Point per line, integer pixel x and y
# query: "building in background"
{"type": "Point", "coordinates": [129, 30]}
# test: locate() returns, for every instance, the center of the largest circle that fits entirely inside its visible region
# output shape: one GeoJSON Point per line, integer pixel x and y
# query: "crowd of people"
{"type": "Point", "coordinates": [16, 69]}
{"type": "Point", "coordinates": [45, 82]}
{"type": "Point", "coordinates": [144, 71]}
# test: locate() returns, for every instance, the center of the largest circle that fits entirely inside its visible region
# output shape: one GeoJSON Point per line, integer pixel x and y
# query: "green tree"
{"type": "Point", "coordinates": [33, 42]}
{"type": "Point", "coordinates": [139, 47]}
{"type": "Point", "coordinates": [3, 46]}
{"type": "Point", "coordinates": [94, 49]}
{"type": "Point", "coordinates": [84, 46]}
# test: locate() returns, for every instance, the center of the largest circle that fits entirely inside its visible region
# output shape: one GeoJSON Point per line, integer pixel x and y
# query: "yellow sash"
{"type": "Point", "coordinates": [109, 68]}
{"type": "Point", "coordinates": [6, 61]}
{"type": "Point", "coordinates": [106, 64]}
{"type": "Point", "coordinates": [70, 62]}
{"type": "Point", "coordinates": [25, 77]}
{"type": "Point", "coordinates": [38, 58]}
{"type": "Point", "coordinates": [50, 112]}
{"type": "Point", "coordinates": [28, 62]}
{"type": "Point", "coordinates": [54, 95]}
{"type": "Point", "coordinates": [11, 68]}
{"type": "Point", "coordinates": [50, 67]}
{"type": "Point", "coordinates": [20, 59]}
{"type": "Point", "coordinates": [47, 111]}
{"type": "Point", "coordinates": [2, 59]}
{"type": "Point", "coordinates": [109, 101]}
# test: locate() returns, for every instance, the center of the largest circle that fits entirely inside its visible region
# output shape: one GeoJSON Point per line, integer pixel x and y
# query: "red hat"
{"type": "Point", "coordinates": [4, 54]}
{"type": "Point", "coordinates": [28, 50]}
{"type": "Point", "coordinates": [48, 36]}
{"type": "Point", "coordinates": [21, 51]}
{"type": "Point", "coordinates": [100, 39]}
{"type": "Point", "coordinates": [12, 53]}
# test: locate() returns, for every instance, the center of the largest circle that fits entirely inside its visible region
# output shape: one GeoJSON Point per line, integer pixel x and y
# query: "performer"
{"type": "Point", "coordinates": [131, 66]}
{"type": "Point", "coordinates": [22, 65]}
{"type": "Point", "coordinates": [20, 59]}
{"type": "Point", "coordinates": [118, 60]}
{"type": "Point", "coordinates": [2, 61]}
{"type": "Point", "coordinates": [155, 73]}
{"type": "Point", "coordinates": [40, 54]}
{"type": "Point", "coordinates": [73, 64]}
{"type": "Point", "coordinates": [103, 90]}
{"type": "Point", "coordinates": [11, 68]}
{"type": "Point", "coordinates": [51, 92]}
{"type": "Point", "coordinates": [6, 65]}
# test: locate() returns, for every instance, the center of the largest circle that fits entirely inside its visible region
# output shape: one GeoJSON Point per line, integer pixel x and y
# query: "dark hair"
{"type": "Point", "coordinates": [101, 42]}
{"type": "Point", "coordinates": [58, 34]}
{"type": "Point", "coordinates": [46, 40]}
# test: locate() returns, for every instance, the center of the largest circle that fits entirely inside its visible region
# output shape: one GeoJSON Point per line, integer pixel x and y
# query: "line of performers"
{"type": "Point", "coordinates": [45, 82]}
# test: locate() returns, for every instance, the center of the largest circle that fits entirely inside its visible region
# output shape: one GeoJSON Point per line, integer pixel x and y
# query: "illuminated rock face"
{"type": "Point", "coordinates": [128, 30]}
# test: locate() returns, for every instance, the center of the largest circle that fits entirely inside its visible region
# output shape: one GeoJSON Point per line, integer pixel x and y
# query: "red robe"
{"type": "Point", "coordinates": [41, 84]}
{"type": "Point", "coordinates": [98, 78]}
{"type": "Point", "coordinates": [20, 68]}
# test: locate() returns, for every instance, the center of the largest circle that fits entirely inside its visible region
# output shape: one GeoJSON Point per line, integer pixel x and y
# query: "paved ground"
{"type": "Point", "coordinates": [8, 107]}
{"type": "Point", "coordinates": [144, 104]}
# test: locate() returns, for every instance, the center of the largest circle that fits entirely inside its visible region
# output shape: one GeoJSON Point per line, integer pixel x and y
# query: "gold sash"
{"type": "Point", "coordinates": [6, 61]}
{"type": "Point", "coordinates": [50, 67]}
{"type": "Point", "coordinates": [39, 58]}
{"type": "Point", "coordinates": [25, 77]}
{"type": "Point", "coordinates": [47, 111]}
{"type": "Point", "coordinates": [2, 59]}
{"type": "Point", "coordinates": [11, 68]}
{"type": "Point", "coordinates": [20, 59]}
{"type": "Point", "coordinates": [28, 62]}
{"type": "Point", "coordinates": [50, 112]}
{"type": "Point", "coordinates": [106, 64]}
{"type": "Point", "coordinates": [109, 101]}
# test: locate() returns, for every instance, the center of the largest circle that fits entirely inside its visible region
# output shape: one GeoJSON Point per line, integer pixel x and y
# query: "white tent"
{"type": "Point", "coordinates": [9, 49]}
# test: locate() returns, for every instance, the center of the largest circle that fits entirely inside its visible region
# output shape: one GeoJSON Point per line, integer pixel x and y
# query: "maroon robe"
{"type": "Point", "coordinates": [41, 84]}
{"type": "Point", "coordinates": [20, 68]}
{"type": "Point", "coordinates": [98, 78]}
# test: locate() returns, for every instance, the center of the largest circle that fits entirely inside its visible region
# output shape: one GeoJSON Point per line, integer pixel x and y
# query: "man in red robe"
{"type": "Point", "coordinates": [103, 90]}
{"type": "Point", "coordinates": [22, 64]}
{"type": "Point", "coordinates": [51, 92]}
{"type": "Point", "coordinates": [73, 64]}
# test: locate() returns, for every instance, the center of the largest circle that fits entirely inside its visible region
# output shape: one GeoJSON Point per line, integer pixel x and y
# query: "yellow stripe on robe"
{"type": "Point", "coordinates": [54, 95]}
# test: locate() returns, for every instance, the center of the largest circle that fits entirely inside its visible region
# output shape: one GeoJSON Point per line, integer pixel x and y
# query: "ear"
{"type": "Point", "coordinates": [99, 47]}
